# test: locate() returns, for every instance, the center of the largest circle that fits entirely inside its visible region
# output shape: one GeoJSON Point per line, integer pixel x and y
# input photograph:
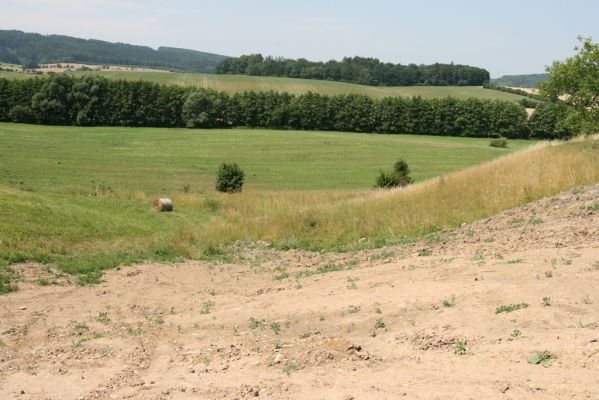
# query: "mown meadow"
{"type": "Point", "coordinates": [163, 161]}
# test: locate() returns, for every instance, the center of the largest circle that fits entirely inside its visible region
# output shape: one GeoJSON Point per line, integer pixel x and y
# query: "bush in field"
{"type": "Point", "coordinates": [500, 142]}
{"type": "Point", "coordinates": [398, 177]}
{"type": "Point", "coordinates": [229, 178]}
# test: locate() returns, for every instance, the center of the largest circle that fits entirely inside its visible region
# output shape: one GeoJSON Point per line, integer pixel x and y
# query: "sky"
{"type": "Point", "coordinates": [505, 37]}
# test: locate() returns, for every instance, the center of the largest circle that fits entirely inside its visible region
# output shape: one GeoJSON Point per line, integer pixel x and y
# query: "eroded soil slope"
{"type": "Point", "coordinates": [417, 321]}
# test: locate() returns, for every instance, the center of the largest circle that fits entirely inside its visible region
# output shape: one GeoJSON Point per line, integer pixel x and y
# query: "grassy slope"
{"type": "Point", "coordinates": [237, 83]}
{"type": "Point", "coordinates": [159, 161]}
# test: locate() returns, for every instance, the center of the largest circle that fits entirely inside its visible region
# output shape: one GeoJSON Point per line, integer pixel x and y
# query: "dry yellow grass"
{"type": "Point", "coordinates": [339, 219]}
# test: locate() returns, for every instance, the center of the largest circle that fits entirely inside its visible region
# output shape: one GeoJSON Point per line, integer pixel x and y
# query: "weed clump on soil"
{"type": "Point", "coordinates": [460, 348]}
{"type": "Point", "coordinates": [7, 279]}
{"type": "Point", "coordinates": [510, 307]}
{"type": "Point", "coordinates": [544, 358]}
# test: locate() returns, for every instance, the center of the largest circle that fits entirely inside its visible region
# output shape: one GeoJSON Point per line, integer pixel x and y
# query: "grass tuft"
{"type": "Point", "coordinates": [510, 308]}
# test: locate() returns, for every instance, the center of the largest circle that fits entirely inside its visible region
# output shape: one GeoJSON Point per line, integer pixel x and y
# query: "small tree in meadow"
{"type": "Point", "coordinates": [229, 178]}
{"type": "Point", "coordinates": [398, 177]}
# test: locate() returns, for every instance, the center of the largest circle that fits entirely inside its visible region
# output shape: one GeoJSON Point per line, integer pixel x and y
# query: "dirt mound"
{"type": "Point", "coordinates": [439, 318]}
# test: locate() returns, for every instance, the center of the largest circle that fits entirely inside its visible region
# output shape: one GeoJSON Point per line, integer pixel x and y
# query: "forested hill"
{"type": "Point", "coordinates": [365, 71]}
{"type": "Point", "coordinates": [30, 49]}
{"type": "Point", "coordinates": [525, 81]}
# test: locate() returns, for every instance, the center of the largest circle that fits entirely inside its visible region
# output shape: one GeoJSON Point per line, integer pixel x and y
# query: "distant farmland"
{"type": "Point", "coordinates": [239, 83]}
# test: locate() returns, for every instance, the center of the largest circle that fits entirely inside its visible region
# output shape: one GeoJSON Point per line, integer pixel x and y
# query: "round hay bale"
{"type": "Point", "coordinates": [163, 205]}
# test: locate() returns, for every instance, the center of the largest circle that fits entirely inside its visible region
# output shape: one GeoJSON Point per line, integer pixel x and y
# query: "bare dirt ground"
{"type": "Point", "coordinates": [376, 328]}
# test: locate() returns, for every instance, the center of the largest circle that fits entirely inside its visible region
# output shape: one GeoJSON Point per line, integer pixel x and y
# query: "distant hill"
{"type": "Point", "coordinates": [525, 81]}
{"type": "Point", "coordinates": [30, 49]}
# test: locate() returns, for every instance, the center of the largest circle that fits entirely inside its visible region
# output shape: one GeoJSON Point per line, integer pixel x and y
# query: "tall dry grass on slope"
{"type": "Point", "coordinates": [337, 220]}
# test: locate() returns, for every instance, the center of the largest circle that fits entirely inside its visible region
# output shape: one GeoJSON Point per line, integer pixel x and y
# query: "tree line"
{"type": "Point", "coordinates": [96, 101]}
{"type": "Point", "coordinates": [365, 71]}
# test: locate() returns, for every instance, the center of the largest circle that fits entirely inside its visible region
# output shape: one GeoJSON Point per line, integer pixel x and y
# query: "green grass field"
{"type": "Point", "coordinates": [238, 83]}
{"type": "Point", "coordinates": [80, 198]}
{"type": "Point", "coordinates": [164, 160]}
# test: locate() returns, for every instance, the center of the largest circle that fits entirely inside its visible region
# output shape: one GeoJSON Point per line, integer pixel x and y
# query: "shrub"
{"type": "Point", "coordinates": [398, 177]}
{"type": "Point", "coordinates": [501, 142]}
{"type": "Point", "coordinates": [229, 178]}
{"type": "Point", "coordinates": [21, 113]}
{"type": "Point", "coordinates": [528, 103]}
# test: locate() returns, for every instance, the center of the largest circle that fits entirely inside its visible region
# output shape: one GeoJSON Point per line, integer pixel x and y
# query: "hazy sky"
{"type": "Point", "coordinates": [505, 37]}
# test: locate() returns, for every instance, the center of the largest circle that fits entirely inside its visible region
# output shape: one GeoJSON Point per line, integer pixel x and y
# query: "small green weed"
{"type": "Point", "coordinates": [535, 221]}
{"type": "Point", "coordinates": [562, 261]}
{"type": "Point", "coordinates": [207, 307]}
{"type": "Point", "coordinates": [546, 301]}
{"type": "Point", "coordinates": [510, 307]}
{"type": "Point", "coordinates": [79, 327]}
{"type": "Point", "coordinates": [449, 303]}
{"type": "Point", "coordinates": [383, 255]}
{"type": "Point", "coordinates": [276, 327]}
{"type": "Point", "coordinates": [594, 207]}
{"type": "Point", "coordinates": [291, 368]}
{"type": "Point", "coordinates": [379, 323]}
{"type": "Point", "coordinates": [103, 318]}
{"type": "Point", "coordinates": [282, 274]}
{"type": "Point", "coordinates": [351, 284]}
{"type": "Point", "coordinates": [79, 342]}
{"type": "Point", "coordinates": [460, 348]}
{"type": "Point", "coordinates": [516, 333]}
{"type": "Point", "coordinates": [479, 256]}
{"type": "Point", "coordinates": [353, 309]}
{"type": "Point", "coordinates": [323, 270]}
{"type": "Point", "coordinates": [256, 323]}
{"type": "Point", "coordinates": [544, 358]}
{"type": "Point", "coordinates": [589, 325]}
{"type": "Point", "coordinates": [425, 253]}
{"type": "Point", "coordinates": [134, 331]}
